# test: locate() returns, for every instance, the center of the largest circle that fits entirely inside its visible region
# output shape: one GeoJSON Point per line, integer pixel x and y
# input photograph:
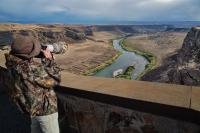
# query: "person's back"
{"type": "Point", "coordinates": [31, 83]}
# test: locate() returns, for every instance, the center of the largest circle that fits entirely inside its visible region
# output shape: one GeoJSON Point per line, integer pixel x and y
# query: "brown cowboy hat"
{"type": "Point", "coordinates": [25, 46]}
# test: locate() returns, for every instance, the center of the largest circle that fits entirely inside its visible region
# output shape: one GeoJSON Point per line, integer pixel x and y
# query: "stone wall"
{"type": "Point", "coordinates": [81, 115]}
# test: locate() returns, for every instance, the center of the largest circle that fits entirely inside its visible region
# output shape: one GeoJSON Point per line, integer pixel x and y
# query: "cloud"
{"type": "Point", "coordinates": [152, 10]}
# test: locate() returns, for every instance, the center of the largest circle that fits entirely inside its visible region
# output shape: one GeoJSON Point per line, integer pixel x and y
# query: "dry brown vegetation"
{"type": "Point", "coordinates": [53, 27]}
{"type": "Point", "coordinates": [104, 36]}
{"type": "Point", "coordinates": [161, 45]}
{"type": "Point", "coordinates": [7, 27]}
{"type": "Point", "coordinates": [97, 49]}
{"type": "Point", "coordinates": [82, 57]}
{"type": "Point", "coordinates": [2, 58]}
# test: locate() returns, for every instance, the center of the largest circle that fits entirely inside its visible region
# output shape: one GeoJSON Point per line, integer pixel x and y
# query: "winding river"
{"type": "Point", "coordinates": [123, 61]}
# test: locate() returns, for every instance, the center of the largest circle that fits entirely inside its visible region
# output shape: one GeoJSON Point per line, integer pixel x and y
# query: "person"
{"type": "Point", "coordinates": [31, 83]}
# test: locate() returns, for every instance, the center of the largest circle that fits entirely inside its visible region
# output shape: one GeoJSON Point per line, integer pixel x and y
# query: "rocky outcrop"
{"type": "Point", "coordinates": [5, 36]}
{"type": "Point", "coordinates": [88, 32]}
{"type": "Point", "coordinates": [46, 35]}
{"type": "Point", "coordinates": [75, 35]}
{"type": "Point", "coordinates": [134, 29]}
{"type": "Point", "coordinates": [184, 66]}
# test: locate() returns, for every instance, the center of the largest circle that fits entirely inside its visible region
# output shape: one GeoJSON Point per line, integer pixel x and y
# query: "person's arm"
{"type": "Point", "coordinates": [54, 72]}
{"type": "Point", "coordinates": [50, 78]}
{"type": "Point", "coordinates": [51, 69]}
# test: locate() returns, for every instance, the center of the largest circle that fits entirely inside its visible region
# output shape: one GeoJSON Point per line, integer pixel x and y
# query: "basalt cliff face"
{"type": "Point", "coordinates": [184, 66]}
{"type": "Point", "coordinates": [75, 33]}
{"type": "Point", "coordinates": [45, 33]}
{"type": "Point", "coordinates": [136, 29]}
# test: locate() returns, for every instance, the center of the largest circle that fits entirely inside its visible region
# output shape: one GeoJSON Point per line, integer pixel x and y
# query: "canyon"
{"type": "Point", "coordinates": [183, 66]}
{"type": "Point", "coordinates": [90, 46]}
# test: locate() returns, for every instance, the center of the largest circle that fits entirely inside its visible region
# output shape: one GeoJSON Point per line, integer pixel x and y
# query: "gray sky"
{"type": "Point", "coordinates": [99, 10]}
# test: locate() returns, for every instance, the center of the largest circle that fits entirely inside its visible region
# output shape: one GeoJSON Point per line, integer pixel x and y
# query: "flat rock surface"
{"type": "Point", "coordinates": [174, 95]}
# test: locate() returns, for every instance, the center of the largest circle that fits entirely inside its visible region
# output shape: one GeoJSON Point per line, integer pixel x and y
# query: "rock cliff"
{"type": "Point", "coordinates": [47, 33]}
{"type": "Point", "coordinates": [136, 29]}
{"type": "Point", "coordinates": [184, 66]}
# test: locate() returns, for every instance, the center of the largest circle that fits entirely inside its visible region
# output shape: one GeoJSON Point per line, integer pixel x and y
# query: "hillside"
{"type": "Point", "coordinates": [87, 49]}
{"type": "Point", "coordinates": [160, 44]}
{"type": "Point", "coordinates": [182, 67]}
{"type": "Point", "coordinates": [45, 33]}
{"type": "Point", "coordinates": [137, 29]}
{"type": "Point", "coordinates": [89, 46]}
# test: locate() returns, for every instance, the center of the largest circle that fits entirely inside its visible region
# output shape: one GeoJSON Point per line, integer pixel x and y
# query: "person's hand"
{"type": "Point", "coordinates": [47, 54]}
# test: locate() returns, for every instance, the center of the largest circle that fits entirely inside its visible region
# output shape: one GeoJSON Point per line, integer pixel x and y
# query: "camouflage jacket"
{"type": "Point", "coordinates": [31, 85]}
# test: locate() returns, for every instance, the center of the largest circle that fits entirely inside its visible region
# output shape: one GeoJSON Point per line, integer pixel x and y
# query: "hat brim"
{"type": "Point", "coordinates": [35, 51]}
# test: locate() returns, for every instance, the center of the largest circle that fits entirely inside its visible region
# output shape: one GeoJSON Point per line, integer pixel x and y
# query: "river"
{"type": "Point", "coordinates": [123, 61]}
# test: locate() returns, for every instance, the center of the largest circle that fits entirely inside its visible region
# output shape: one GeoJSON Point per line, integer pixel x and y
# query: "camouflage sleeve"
{"type": "Point", "coordinates": [45, 76]}
{"type": "Point", "coordinates": [54, 72]}
{"type": "Point", "coordinates": [53, 77]}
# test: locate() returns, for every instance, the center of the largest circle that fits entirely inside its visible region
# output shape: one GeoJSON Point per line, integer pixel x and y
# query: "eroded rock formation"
{"type": "Point", "coordinates": [184, 66]}
{"type": "Point", "coordinates": [47, 34]}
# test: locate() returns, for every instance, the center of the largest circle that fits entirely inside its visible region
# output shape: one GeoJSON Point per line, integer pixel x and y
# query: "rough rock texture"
{"type": "Point", "coordinates": [184, 66]}
{"type": "Point", "coordinates": [135, 29]}
{"type": "Point", "coordinates": [46, 35]}
{"type": "Point", "coordinates": [4, 37]}
{"type": "Point", "coordinates": [79, 115]}
{"type": "Point", "coordinates": [88, 32]}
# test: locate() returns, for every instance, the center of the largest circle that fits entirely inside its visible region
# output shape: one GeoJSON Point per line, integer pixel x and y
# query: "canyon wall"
{"type": "Point", "coordinates": [47, 33]}
{"type": "Point", "coordinates": [184, 66]}
{"type": "Point", "coordinates": [136, 29]}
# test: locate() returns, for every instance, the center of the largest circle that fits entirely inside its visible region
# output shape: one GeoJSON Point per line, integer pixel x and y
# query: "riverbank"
{"type": "Point", "coordinates": [101, 66]}
{"type": "Point", "coordinates": [127, 74]}
{"type": "Point", "coordinates": [105, 64]}
{"type": "Point", "coordinates": [148, 56]}
{"type": "Point", "coordinates": [85, 56]}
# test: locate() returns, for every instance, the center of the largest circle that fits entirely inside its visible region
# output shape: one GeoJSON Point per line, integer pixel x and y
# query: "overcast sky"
{"type": "Point", "coordinates": [98, 10]}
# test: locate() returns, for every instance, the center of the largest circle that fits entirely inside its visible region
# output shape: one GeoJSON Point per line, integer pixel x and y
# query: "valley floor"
{"type": "Point", "coordinates": [82, 57]}
{"type": "Point", "coordinates": [97, 49]}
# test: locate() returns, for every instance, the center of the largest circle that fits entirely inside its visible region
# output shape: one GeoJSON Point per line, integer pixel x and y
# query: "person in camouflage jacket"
{"type": "Point", "coordinates": [31, 82]}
